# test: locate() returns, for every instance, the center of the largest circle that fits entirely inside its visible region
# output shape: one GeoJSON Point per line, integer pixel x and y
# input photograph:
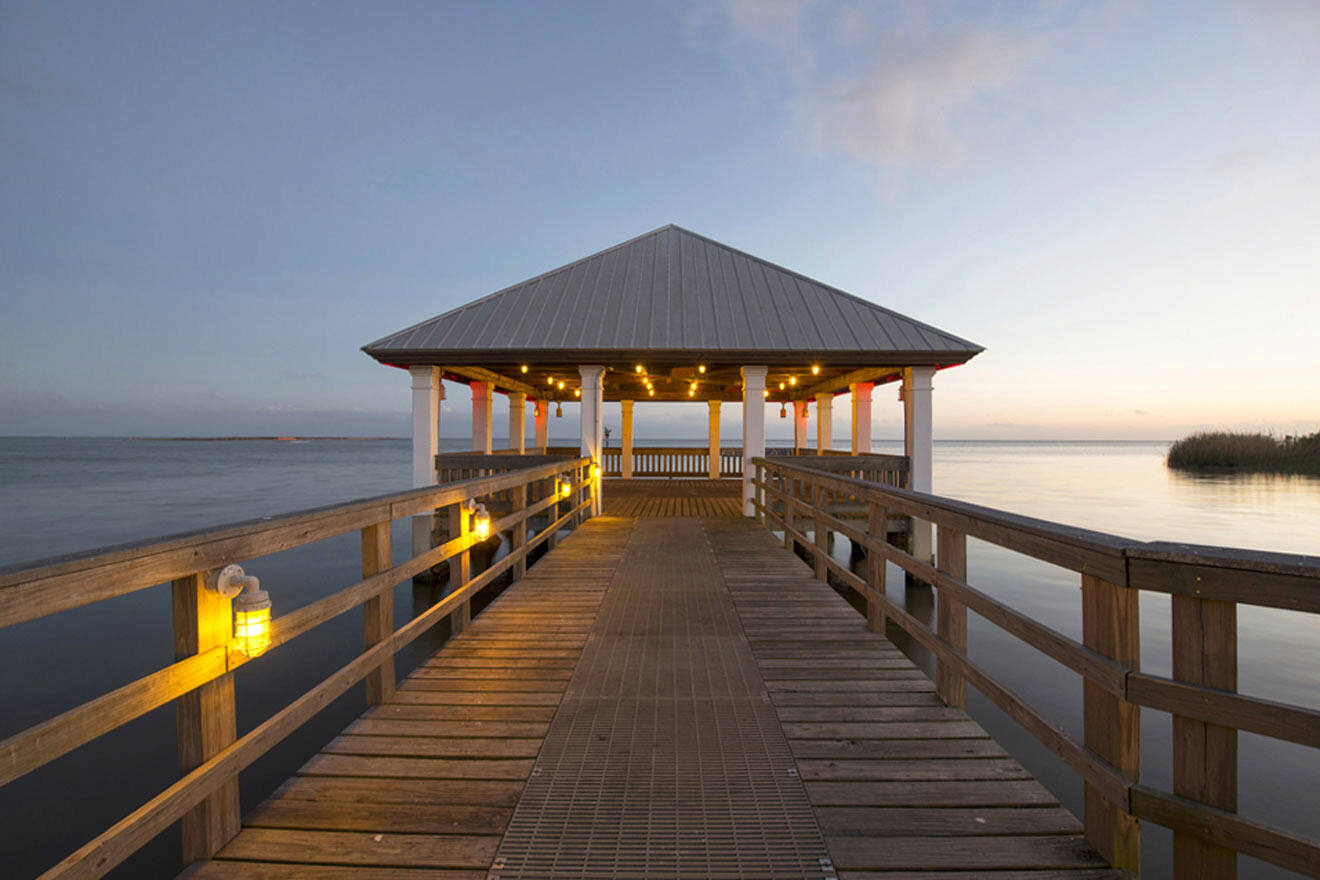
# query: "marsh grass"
{"type": "Point", "coordinates": [1224, 450]}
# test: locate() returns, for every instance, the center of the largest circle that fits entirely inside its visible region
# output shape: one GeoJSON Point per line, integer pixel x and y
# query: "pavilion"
{"type": "Point", "coordinates": [673, 316]}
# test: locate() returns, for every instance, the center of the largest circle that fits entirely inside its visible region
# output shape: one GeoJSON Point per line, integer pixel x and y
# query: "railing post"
{"type": "Point", "coordinates": [951, 616]}
{"type": "Point", "coordinates": [378, 611]}
{"type": "Point", "coordinates": [203, 619]}
{"type": "Point", "coordinates": [877, 528]}
{"type": "Point", "coordinates": [1205, 762]}
{"type": "Point", "coordinates": [1112, 725]}
{"type": "Point", "coordinates": [519, 537]}
{"type": "Point", "coordinates": [759, 494]}
{"type": "Point", "coordinates": [460, 569]}
{"type": "Point", "coordinates": [790, 511]}
{"type": "Point", "coordinates": [821, 540]}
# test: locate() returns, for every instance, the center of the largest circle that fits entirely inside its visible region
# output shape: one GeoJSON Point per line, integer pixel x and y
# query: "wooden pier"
{"type": "Point", "coordinates": [683, 696]}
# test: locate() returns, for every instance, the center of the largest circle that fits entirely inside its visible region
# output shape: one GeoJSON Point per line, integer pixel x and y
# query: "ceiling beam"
{"type": "Point", "coordinates": [866, 374]}
{"type": "Point", "coordinates": [499, 380]}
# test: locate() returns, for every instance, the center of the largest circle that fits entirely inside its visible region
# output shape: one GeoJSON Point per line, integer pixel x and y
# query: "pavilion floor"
{"type": "Point", "coordinates": [672, 497]}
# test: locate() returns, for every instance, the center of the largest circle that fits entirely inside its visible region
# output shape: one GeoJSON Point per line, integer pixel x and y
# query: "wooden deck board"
{"type": "Point", "coordinates": [424, 786]}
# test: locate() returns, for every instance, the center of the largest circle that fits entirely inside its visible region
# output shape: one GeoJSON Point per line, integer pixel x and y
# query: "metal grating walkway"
{"type": "Point", "coordinates": [665, 758]}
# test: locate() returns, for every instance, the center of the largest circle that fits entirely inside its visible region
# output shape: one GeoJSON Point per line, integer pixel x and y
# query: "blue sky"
{"type": "Point", "coordinates": [205, 209]}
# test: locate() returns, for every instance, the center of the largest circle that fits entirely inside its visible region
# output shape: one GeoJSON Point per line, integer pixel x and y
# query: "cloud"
{"type": "Point", "coordinates": [902, 113]}
{"type": "Point", "coordinates": [889, 94]}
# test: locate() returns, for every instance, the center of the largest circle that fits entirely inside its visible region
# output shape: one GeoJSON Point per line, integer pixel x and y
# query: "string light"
{"type": "Point", "coordinates": [651, 391]}
{"type": "Point", "coordinates": [550, 381]}
{"type": "Point", "coordinates": [815, 369]}
{"type": "Point", "coordinates": [781, 386]}
{"type": "Point", "coordinates": [701, 368]}
{"type": "Point", "coordinates": [523, 368]}
{"type": "Point", "coordinates": [639, 368]}
{"type": "Point", "coordinates": [577, 392]}
{"type": "Point", "coordinates": [792, 380]}
{"type": "Point", "coordinates": [766, 392]}
{"type": "Point", "coordinates": [560, 385]}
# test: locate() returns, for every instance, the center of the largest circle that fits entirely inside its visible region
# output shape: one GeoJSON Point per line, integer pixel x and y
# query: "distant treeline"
{"type": "Point", "coordinates": [1225, 450]}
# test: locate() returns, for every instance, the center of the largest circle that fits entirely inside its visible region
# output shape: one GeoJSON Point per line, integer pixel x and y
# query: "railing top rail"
{"type": "Point", "coordinates": [36, 589]}
{"type": "Point", "coordinates": [848, 461]}
{"type": "Point", "coordinates": [1282, 580]}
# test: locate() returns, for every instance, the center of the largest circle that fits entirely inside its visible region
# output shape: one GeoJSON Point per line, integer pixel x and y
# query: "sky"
{"type": "Point", "coordinates": [206, 209]}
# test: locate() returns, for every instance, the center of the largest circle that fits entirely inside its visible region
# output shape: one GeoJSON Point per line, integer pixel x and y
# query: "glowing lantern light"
{"type": "Point", "coordinates": [564, 488]}
{"type": "Point", "coordinates": [595, 471]}
{"type": "Point", "coordinates": [251, 608]}
{"type": "Point", "coordinates": [481, 523]}
{"type": "Point", "coordinates": [766, 392]}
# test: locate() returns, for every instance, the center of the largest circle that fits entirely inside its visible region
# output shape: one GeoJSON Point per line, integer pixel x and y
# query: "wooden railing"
{"type": "Point", "coordinates": [1206, 584]}
{"type": "Point", "coordinates": [673, 461]}
{"type": "Point", "coordinates": [201, 681]}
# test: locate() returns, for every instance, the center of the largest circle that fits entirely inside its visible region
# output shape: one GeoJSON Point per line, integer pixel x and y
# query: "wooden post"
{"type": "Point", "coordinates": [206, 719]}
{"type": "Point", "coordinates": [759, 494]}
{"type": "Point", "coordinates": [519, 537]}
{"type": "Point", "coordinates": [460, 569]}
{"type": "Point", "coordinates": [378, 611]}
{"type": "Point", "coordinates": [790, 511]}
{"type": "Point", "coordinates": [822, 547]}
{"type": "Point", "coordinates": [951, 616]}
{"type": "Point", "coordinates": [1204, 755]}
{"type": "Point", "coordinates": [1112, 726]}
{"type": "Point", "coordinates": [877, 525]}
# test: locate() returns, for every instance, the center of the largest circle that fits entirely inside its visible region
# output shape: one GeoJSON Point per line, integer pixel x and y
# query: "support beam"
{"type": "Point", "coordinates": [593, 405]}
{"type": "Point", "coordinates": [481, 422]}
{"type": "Point", "coordinates": [518, 422]}
{"type": "Point", "coordinates": [626, 455]}
{"type": "Point", "coordinates": [861, 417]}
{"type": "Point", "coordinates": [800, 415]}
{"type": "Point", "coordinates": [919, 443]}
{"type": "Point", "coordinates": [427, 392]}
{"type": "Point", "coordinates": [838, 383]}
{"type": "Point", "coordinates": [713, 435]}
{"type": "Point", "coordinates": [824, 421]}
{"type": "Point", "coordinates": [753, 429]}
{"type": "Point", "coordinates": [540, 418]}
{"type": "Point", "coordinates": [497, 380]}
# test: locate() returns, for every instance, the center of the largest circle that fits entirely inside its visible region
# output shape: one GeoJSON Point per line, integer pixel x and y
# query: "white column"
{"type": "Point", "coordinates": [625, 456]}
{"type": "Point", "coordinates": [481, 417]}
{"type": "Point", "coordinates": [824, 421]}
{"type": "Point", "coordinates": [919, 446]}
{"type": "Point", "coordinates": [861, 417]}
{"type": "Point", "coordinates": [518, 422]}
{"type": "Point", "coordinates": [539, 416]}
{"type": "Point", "coordinates": [800, 425]}
{"type": "Point", "coordinates": [714, 436]}
{"type": "Point", "coordinates": [593, 405]}
{"type": "Point", "coordinates": [427, 392]}
{"type": "Point", "coordinates": [753, 430]}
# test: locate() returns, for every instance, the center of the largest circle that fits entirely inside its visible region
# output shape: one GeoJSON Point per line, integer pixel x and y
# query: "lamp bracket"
{"type": "Point", "coordinates": [229, 581]}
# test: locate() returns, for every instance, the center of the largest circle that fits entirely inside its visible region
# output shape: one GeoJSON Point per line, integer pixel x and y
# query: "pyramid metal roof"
{"type": "Point", "coordinates": [668, 295]}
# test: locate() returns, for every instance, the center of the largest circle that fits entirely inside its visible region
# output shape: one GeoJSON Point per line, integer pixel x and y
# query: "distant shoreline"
{"type": "Point", "coordinates": [245, 439]}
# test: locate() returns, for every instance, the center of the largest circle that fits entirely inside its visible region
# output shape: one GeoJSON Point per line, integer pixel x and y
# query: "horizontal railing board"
{"type": "Point", "coordinates": [45, 587]}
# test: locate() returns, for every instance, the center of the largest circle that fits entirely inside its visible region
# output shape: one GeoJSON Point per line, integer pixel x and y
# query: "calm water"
{"type": "Point", "coordinates": [66, 495]}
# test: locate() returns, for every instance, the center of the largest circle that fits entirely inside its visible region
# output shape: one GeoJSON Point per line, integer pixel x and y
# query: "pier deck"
{"type": "Point", "coordinates": [671, 697]}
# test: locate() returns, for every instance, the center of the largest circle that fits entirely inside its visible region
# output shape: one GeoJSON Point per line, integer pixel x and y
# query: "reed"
{"type": "Point", "coordinates": [1225, 450]}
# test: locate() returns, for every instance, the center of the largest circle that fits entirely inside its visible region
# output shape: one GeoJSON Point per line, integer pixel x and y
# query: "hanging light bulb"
{"type": "Point", "coordinates": [692, 392]}
{"type": "Point", "coordinates": [815, 369]}
{"type": "Point", "coordinates": [783, 411]}
{"type": "Point", "coordinates": [651, 391]}
{"type": "Point", "coordinates": [550, 381]}
{"type": "Point", "coordinates": [577, 392]}
{"type": "Point", "coordinates": [523, 368]}
{"type": "Point", "coordinates": [559, 410]}
{"type": "Point", "coordinates": [701, 368]}
{"type": "Point", "coordinates": [792, 380]}
{"type": "Point", "coordinates": [781, 386]}
{"type": "Point", "coordinates": [639, 368]}
{"type": "Point", "coordinates": [560, 384]}
{"type": "Point", "coordinates": [766, 392]}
